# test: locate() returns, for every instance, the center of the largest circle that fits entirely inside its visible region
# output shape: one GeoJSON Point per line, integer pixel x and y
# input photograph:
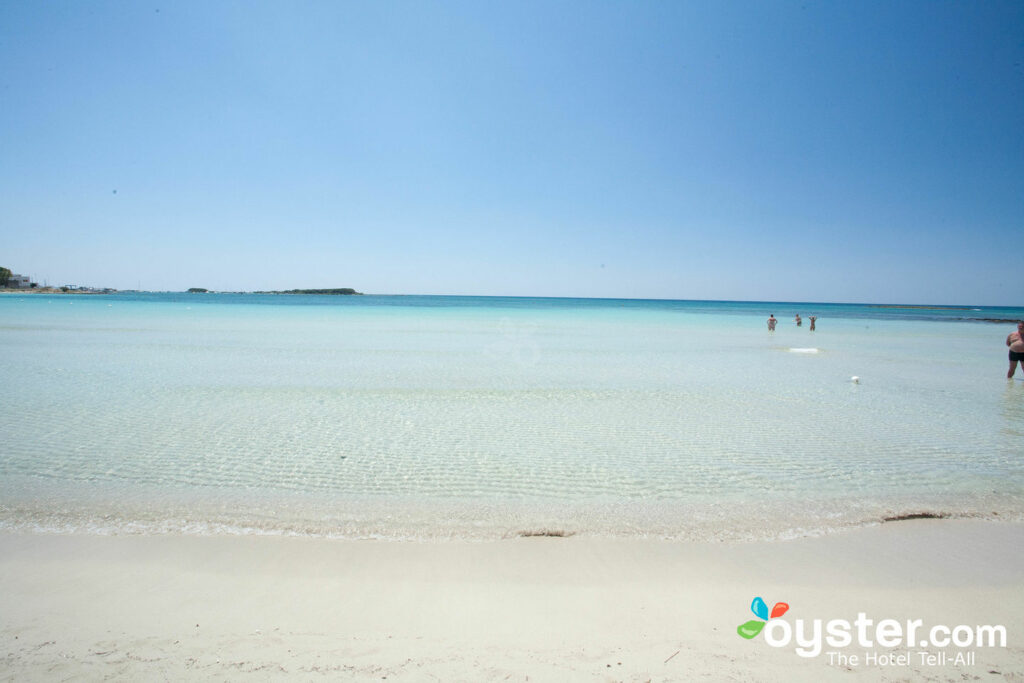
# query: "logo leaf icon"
{"type": "Point", "coordinates": [779, 609]}
{"type": "Point", "coordinates": [759, 609]}
{"type": "Point", "coordinates": [750, 629]}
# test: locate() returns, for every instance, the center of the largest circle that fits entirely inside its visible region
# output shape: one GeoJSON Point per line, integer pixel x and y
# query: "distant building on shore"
{"type": "Point", "coordinates": [19, 282]}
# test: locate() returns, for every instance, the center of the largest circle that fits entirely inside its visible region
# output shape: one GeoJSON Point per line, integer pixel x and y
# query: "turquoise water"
{"type": "Point", "coordinates": [477, 417]}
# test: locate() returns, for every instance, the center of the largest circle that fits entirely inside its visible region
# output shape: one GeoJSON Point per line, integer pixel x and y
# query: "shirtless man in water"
{"type": "Point", "coordinates": [1016, 343]}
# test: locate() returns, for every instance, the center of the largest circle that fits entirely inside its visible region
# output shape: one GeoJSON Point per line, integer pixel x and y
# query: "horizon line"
{"type": "Point", "coordinates": [961, 306]}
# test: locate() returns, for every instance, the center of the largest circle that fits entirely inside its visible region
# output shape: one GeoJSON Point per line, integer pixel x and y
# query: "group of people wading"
{"type": "Point", "coordinates": [799, 321]}
{"type": "Point", "coordinates": [1015, 340]}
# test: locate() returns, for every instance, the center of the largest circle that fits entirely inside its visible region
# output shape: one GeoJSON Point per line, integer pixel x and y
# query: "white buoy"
{"type": "Point", "coordinates": [855, 379]}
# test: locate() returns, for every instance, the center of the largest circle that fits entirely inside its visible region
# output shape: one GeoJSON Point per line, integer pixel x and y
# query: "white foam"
{"type": "Point", "coordinates": [811, 350]}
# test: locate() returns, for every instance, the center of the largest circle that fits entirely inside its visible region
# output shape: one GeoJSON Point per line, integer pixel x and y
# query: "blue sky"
{"type": "Point", "coordinates": [819, 151]}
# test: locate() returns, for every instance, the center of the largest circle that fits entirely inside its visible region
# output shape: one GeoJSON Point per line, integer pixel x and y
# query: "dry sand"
{"type": "Point", "coordinates": [78, 607]}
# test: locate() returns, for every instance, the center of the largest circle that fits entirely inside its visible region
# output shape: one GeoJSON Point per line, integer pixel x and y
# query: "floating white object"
{"type": "Point", "coordinates": [855, 379]}
{"type": "Point", "coordinates": [811, 350]}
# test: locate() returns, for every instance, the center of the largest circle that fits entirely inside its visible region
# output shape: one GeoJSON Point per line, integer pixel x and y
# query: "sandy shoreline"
{"type": "Point", "coordinates": [548, 609]}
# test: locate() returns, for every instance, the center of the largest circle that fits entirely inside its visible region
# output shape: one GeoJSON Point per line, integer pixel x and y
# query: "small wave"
{"type": "Point", "coordinates": [752, 526]}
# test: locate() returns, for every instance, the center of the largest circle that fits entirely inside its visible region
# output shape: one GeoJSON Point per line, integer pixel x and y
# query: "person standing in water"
{"type": "Point", "coordinates": [813, 318]}
{"type": "Point", "coordinates": [771, 322]}
{"type": "Point", "coordinates": [799, 322]}
{"type": "Point", "coordinates": [1015, 340]}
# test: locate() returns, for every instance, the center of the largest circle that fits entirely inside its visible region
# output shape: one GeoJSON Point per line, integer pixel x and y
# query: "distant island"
{"type": "Point", "coordinates": [341, 290]}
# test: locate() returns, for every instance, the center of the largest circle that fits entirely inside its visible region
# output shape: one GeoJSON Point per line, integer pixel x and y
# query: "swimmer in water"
{"type": "Point", "coordinates": [1015, 341]}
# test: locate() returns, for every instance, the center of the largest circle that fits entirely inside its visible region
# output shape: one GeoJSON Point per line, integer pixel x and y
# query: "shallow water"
{"type": "Point", "coordinates": [436, 417]}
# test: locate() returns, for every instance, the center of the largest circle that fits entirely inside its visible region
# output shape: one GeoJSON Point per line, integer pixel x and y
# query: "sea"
{"type": "Point", "coordinates": [410, 418]}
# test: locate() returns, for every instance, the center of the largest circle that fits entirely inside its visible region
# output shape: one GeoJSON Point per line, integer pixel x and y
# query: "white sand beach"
{"type": "Point", "coordinates": [87, 607]}
{"type": "Point", "coordinates": [512, 341]}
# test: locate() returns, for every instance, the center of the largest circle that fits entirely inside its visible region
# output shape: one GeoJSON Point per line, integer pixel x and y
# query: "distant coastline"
{"type": "Point", "coordinates": [340, 291]}
{"type": "Point", "coordinates": [55, 290]}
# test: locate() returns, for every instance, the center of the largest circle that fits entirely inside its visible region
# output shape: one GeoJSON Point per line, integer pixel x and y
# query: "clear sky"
{"type": "Point", "coordinates": [822, 151]}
